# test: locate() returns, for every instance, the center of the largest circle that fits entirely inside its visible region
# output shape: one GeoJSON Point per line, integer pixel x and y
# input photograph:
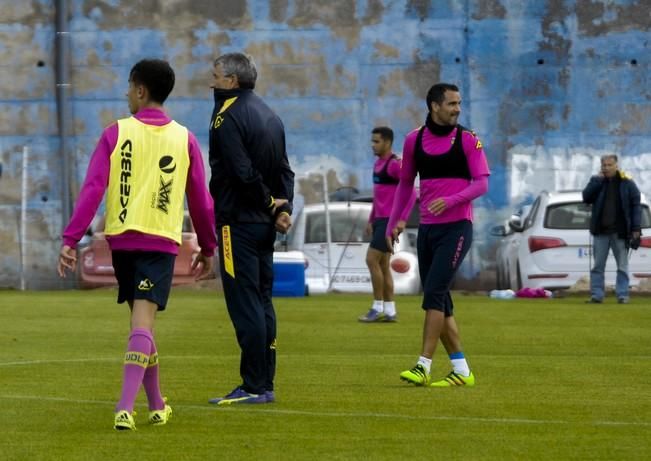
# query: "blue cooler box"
{"type": "Point", "coordinates": [289, 273]}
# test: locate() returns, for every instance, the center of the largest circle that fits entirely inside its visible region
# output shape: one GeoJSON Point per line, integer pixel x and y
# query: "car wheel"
{"type": "Point", "coordinates": [518, 277]}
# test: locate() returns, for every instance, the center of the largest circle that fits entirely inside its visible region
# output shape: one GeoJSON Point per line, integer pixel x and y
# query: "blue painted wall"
{"type": "Point", "coordinates": [547, 85]}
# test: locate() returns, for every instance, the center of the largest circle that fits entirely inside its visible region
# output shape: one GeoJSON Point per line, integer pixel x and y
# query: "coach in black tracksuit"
{"type": "Point", "coordinates": [252, 185]}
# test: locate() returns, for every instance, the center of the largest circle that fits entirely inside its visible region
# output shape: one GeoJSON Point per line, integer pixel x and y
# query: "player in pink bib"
{"type": "Point", "coordinates": [453, 171]}
{"type": "Point", "coordinates": [386, 176]}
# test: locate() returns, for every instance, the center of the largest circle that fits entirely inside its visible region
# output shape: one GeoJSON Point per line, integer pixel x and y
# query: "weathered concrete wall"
{"type": "Point", "coordinates": [548, 86]}
{"type": "Point", "coordinates": [28, 118]}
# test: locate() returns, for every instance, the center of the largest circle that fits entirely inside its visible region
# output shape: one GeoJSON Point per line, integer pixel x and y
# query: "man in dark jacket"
{"type": "Point", "coordinates": [615, 223]}
{"type": "Point", "coordinates": [252, 185]}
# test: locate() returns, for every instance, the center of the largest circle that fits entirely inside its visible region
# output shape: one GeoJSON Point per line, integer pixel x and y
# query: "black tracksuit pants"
{"type": "Point", "coordinates": [246, 264]}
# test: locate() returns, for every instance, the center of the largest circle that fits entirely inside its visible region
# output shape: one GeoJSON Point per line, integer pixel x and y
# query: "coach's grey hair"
{"type": "Point", "coordinates": [242, 66]}
{"type": "Point", "coordinates": [608, 157]}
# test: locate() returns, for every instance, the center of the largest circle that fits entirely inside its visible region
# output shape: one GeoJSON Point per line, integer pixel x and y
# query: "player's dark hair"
{"type": "Point", "coordinates": [242, 66]}
{"type": "Point", "coordinates": [156, 75]}
{"type": "Point", "coordinates": [437, 93]}
{"type": "Point", "coordinates": [385, 132]}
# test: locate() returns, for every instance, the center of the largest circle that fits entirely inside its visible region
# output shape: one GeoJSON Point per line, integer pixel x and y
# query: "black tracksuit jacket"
{"type": "Point", "coordinates": [248, 159]}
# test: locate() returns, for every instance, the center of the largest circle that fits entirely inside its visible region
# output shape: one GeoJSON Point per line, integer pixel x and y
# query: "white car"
{"type": "Point", "coordinates": [549, 245]}
{"type": "Point", "coordinates": [341, 266]}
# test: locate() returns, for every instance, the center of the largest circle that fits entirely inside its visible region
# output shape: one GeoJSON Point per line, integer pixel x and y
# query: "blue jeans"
{"type": "Point", "coordinates": [601, 244]}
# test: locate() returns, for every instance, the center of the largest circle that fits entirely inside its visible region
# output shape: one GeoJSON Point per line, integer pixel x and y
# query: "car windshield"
{"type": "Point", "coordinates": [577, 216]}
{"type": "Point", "coordinates": [345, 226]}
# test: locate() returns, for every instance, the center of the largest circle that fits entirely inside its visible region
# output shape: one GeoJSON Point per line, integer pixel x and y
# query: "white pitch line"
{"type": "Point", "coordinates": [41, 362]}
{"type": "Point", "coordinates": [204, 357]}
{"type": "Point", "coordinates": [95, 359]}
{"type": "Point", "coordinates": [334, 414]}
{"type": "Point", "coordinates": [301, 412]}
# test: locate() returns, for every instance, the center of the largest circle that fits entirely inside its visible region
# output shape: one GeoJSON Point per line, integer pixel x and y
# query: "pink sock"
{"type": "Point", "coordinates": [151, 382]}
{"type": "Point", "coordinates": [135, 362]}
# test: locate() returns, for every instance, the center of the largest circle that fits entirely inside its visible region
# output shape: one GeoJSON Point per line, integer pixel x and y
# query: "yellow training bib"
{"type": "Point", "coordinates": [149, 170]}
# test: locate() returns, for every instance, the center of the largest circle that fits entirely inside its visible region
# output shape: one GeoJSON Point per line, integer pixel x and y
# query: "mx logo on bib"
{"type": "Point", "coordinates": [167, 165]}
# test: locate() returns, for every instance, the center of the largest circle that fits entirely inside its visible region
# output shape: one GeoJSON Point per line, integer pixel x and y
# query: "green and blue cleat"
{"type": "Point", "coordinates": [455, 379]}
{"type": "Point", "coordinates": [416, 375]}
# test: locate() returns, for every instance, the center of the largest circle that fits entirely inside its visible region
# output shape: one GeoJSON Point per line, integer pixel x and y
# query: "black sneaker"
{"type": "Point", "coordinates": [371, 316]}
{"type": "Point", "coordinates": [239, 395]}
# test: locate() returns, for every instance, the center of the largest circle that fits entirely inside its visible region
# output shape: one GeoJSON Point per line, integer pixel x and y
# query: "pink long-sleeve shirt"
{"type": "Point", "coordinates": [199, 201]}
{"type": "Point", "coordinates": [458, 193]}
{"type": "Point", "coordinates": [384, 194]}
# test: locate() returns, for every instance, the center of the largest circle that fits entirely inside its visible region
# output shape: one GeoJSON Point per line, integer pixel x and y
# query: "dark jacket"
{"type": "Point", "coordinates": [247, 157]}
{"type": "Point", "coordinates": [629, 196]}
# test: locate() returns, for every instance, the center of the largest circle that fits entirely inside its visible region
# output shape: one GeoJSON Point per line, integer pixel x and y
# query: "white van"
{"type": "Point", "coordinates": [341, 266]}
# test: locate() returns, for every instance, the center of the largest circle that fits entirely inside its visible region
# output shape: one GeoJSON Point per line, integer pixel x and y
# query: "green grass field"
{"type": "Point", "coordinates": [557, 379]}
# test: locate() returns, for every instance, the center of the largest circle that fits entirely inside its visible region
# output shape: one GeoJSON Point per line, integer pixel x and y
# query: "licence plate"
{"type": "Point", "coordinates": [351, 279]}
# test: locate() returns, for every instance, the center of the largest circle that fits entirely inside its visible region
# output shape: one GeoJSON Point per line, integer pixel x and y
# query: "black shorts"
{"type": "Point", "coordinates": [378, 240]}
{"type": "Point", "coordinates": [144, 275]}
{"type": "Point", "coordinates": [441, 249]}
